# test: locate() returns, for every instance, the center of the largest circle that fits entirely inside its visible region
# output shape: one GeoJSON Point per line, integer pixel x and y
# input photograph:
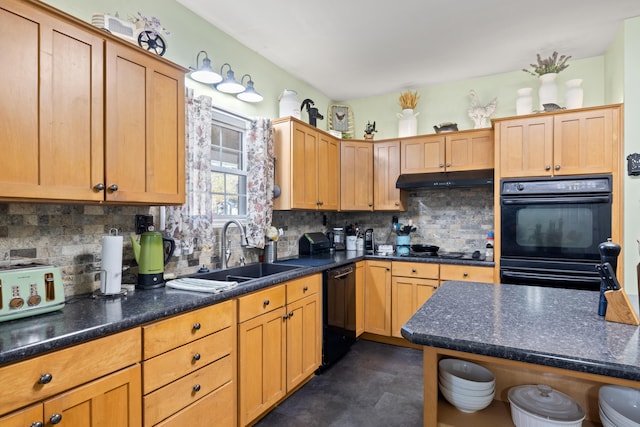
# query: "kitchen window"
{"type": "Point", "coordinates": [228, 165]}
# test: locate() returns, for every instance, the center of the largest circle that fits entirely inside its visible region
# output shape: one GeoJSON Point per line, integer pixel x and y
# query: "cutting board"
{"type": "Point", "coordinates": [619, 308]}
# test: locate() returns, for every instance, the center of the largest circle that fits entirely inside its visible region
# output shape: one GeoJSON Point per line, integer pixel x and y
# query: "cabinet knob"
{"type": "Point", "coordinates": [320, 203]}
{"type": "Point", "coordinates": [265, 302]}
{"type": "Point", "coordinates": [441, 165]}
{"type": "Point", "coordinates": [36, 424]}
{"type": "Point", "coordinates": [55, 419]}
{"type": "Point", "coordinates": [448, 165]}
{"type": "Point", "coordinates": [557, 167]}
{"type": "Point", "coordinates": [547, 168]}
{"type": "Point", "coordinates": [305, 289]}
{"type": "Point", "coordinates": [196, 356]}
{"type": "Point", "coordinates": [370, 205]}
{"type": "Point", "coordinates": [197, 326]}
{"type": "Point", "coordinates": [196, 388]}
{"type": "Point", "coordinates": [285, 316]}
{"type": "Point", "coordinates": [99, 186]}
{"type": "Point", "coordinates": [45, 378]}
{"type": "Point", "coordinates": [396, 204]}
{"type": "Point", "coordinates": [291, 314]}
{"type": "Point", "coordinates": [113, 187]}
{"type": "Point", "coordinates": [413, 270]}
{"type": "Point", "coordinates": [465, 274]}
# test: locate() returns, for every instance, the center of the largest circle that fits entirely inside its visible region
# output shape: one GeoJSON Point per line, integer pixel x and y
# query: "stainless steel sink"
{"type": "Point", "coordinates": [246, 272]}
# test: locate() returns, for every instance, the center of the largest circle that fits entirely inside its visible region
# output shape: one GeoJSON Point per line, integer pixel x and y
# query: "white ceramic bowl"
{"type": "Point", "coordinates": [468, 404]}
{"type": "Point", "coordinates": [466, 374]}
{"type": "Point", "coordinates": [458, 388]}
{"type": "Point", "coordinates": [621, 405]}
{"type": "Point", "coordinates": [542, 406]}
{"type": "Point", "coordinates": [604, 419]}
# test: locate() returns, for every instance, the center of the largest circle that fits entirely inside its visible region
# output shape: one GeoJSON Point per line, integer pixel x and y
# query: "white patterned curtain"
{"type": "Point", "coordinates": [259, 180]}
{"type": "Point", "coordinates": [194, 220]}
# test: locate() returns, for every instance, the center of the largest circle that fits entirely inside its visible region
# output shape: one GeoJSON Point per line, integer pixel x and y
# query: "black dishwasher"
{"type": "Point", "coordinates": [338, 313]}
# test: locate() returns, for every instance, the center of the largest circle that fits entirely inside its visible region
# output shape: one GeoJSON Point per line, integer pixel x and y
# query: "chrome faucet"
{"type": "Point", "coordinates": [226, 244]}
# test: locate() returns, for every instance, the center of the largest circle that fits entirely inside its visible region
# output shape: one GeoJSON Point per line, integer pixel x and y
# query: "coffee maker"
{"type": "Point", "coordinates": [369, 241]}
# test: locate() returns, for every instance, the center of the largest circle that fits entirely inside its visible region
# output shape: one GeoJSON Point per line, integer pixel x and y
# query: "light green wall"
{"type": "Point", "coordinates": [191, 34]}
{"type": "Point", "coordinates": [631, 145]}
{"type": "Point", "coordinates": [614, 70]}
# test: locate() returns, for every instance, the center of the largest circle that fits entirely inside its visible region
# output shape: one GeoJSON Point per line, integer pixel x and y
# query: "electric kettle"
{"type": "Point", "coordinates": [152, 255]}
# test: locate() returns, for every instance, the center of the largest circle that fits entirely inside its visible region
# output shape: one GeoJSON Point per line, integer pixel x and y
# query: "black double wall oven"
{"type": "Point", "coordinates": [551, 229]}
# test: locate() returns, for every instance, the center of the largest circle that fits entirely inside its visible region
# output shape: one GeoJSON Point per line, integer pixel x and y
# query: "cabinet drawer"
{"type": "Point", "coordinates": [24, 417]}
{"type": "Point", "coordinates": [165, 335]}
{"type": "Point", "coordinates": [217, 408]}
{"type": "Point", "coordinates": [255, 304]}
{"type": "Point", "coordinates": [181, 393]}
{"type": "Point", "coordinates": [415, 269]}
{"type": "Point", "coordinates": [466, 273]}
{"type": "Point", "coordinates": [303, 287]}
{"type": "Point", "coordinates": [163, 369]}
{"type": "Point", "coordinates": [68, 368]}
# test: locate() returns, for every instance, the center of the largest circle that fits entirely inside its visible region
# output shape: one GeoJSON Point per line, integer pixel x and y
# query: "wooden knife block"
{"type": "Point", "coordinates": [619, 308]}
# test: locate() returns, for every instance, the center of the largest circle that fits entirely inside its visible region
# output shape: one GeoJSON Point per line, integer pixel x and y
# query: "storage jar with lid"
{"type": "Point", "coordinates": [542, 406]}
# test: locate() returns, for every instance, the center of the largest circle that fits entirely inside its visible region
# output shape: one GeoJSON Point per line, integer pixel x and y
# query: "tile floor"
{"type": "Point", "coordinates": [373, 385]}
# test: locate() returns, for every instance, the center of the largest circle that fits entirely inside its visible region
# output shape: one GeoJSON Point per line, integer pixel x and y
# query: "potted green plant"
{"type": "Point", "coordinates": [552, 64]}
{"type": "Point", "coordinates": [369, 130]}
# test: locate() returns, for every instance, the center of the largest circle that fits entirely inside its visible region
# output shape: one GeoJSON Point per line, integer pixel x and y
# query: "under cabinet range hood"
{"type": "Point", "coordinates": [446, 179]}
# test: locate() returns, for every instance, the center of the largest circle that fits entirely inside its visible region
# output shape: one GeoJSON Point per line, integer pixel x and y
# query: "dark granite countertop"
{"type": "Point", "coordinates": [84, 318]}
{"type": "Point", "coordinates": [546, 326]}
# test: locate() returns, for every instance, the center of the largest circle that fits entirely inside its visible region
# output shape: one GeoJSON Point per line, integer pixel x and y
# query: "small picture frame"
{"type": "Point", "coordinates": [341, 120]}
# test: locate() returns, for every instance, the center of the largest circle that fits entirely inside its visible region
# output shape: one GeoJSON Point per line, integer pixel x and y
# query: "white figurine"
{"type": "Point", "coordinates": [478, 113]}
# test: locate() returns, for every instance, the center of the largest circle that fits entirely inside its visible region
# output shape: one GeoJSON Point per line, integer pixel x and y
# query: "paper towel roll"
{"type": "Point", "coordinates": [111, 271]}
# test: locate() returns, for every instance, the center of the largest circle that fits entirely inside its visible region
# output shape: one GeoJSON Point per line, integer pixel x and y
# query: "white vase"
{"type": "Point", "coordinates": [407, 123]}
{"type": "Point", "coordinates": [524, 102]}
{"type": "Point", "coordinates": [289, 104]}
{"type": "Point", "coordinates": [548, 92]}
{"type": "Point", "coordinates": [574, 94]}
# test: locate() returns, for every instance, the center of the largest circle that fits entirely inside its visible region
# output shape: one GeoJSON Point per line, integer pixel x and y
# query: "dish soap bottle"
{"type": "Point", "coordinates": [489, 253]}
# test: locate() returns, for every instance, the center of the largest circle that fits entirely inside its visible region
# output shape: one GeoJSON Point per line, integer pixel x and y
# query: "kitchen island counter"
{"type": "Point", "coordinates": [525, 334]}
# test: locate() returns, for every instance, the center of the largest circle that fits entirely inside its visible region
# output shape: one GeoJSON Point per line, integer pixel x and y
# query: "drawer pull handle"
{"type": "Point", "coordinates": [413, 270]}
{"type": "Point", "coordinates": [266, 302]}
{"type": "Point", "coordinates": [36, 424]}
{"type": "Point", "coordinates": [197, 326]}
{"type": "Point", "coordinates": [55, 418]}
{"type": "Point", "coordinates": [305, 289]}
{"type": "Point", "coordinates": [465, 274]}
{"type": "Point", "coordinates": [196, 356]}
{"type": "Point", "coordinates": [196, 388]}
{"type": "Point", "coordinates": [45, 378]}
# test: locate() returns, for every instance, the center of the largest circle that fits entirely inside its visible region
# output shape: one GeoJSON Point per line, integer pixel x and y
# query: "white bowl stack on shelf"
{"type": "Point", "coordinates": [619, 406]}
{"type": "Point", "coordinates": [467, 386]}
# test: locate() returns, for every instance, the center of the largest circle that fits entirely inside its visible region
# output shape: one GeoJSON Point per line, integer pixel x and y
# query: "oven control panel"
{"type": "Point", "coordinates": [563, 185]}
{"type": "Point", "coordinates": [30, 290]}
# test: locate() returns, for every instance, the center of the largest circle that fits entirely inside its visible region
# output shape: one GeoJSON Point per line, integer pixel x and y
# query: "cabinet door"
{"type": "Point", "coordinates": [377, 298]}
{"type": "Point", "coordinates": [328, 172]}
{"type": "Point", "coordinates": [360, 284]}
{"type": "Point", "coordinates": [526, 147]}
{"type": "Point", "coordinates": [304, 165]}
{"type": "Point", "coordinates": [469, 150]}
{"type": "Point", "coordinates": [145, 129]}
{"type": "Point", "coordinates": [29, 416]}
{"type": "Point", "coordinates": [585, 141]}
{"type": "Point", "coordinates": [407, 295]}
{"type": "Point", "coordinates": [423, 154]}
{"type": "Point", "coordinates": [386, 169]}
{"type": "Point", "coordinates": [304, 339]}
{"type": "Point", "coordinates": [356, 176]}
{"type": "Point", "coordinates": [51, 107]}
{"type": "Point", "coordinates": [114, 400]}
{"type": "Point", "coordinates": [261, 363]}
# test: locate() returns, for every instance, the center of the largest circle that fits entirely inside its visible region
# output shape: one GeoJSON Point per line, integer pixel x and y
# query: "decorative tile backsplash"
{"type": "Point", "coordinates": [70, 236]}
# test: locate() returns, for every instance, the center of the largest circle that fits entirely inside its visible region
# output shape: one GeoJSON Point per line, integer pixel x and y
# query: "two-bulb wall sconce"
{"type": "Point", "coordinates": [228, 84]}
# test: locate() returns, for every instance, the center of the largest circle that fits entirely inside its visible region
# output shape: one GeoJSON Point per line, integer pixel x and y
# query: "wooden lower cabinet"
{"type": "Point", "coordinates": [189, 365]}
{"type": "Point", "coordinates": [84, 386]}
{"type": "Point", "coordinates": [279, 343]}
{"type": "Point", "coordinates": [360, 281]}
{"type": "Point", "coordinates": [377, 297]}
{"type": "Point", "coordinates": [466, 273]}
{"type": "Point", "coordinates": [412, 284]}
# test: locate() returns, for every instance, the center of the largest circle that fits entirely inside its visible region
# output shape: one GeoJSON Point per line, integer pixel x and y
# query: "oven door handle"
{"type": "Point", "coordinates": [556, 200]}
{"type": "Point", "coordinates": [547, 277]}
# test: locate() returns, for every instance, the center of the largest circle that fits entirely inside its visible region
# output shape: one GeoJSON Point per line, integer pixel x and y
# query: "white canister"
{"type": "Point", "coordinates": [289, 104]}
{"type": "Point", "coordinates": [524, 101]}
{"type": "Point", "coordinates": [360, 244]}
{"type": "Point", "coordinates": [351, 243]}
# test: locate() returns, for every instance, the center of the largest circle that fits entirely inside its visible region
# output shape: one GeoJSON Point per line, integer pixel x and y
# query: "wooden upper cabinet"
{"type": "Point", "coordinates": [356, 175]}
{"type": "Point", "coordinates": [86, 116]}
{"type": "Point", "coordinates": [307, 167]}
{"type": "Point", "coordinates": [51, 103]}
{"type": "Point", "coordinates": [465, 150]}
{"type": "Point", "coordinates": [145, 132]}
{"type": "Point", "coordinates": [572, 142]}
{"type": "Point", "coordinates": [386, 170]}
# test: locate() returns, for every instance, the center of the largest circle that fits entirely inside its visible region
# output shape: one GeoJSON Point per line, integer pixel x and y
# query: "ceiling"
{"type": "Point", "coordinates": [349, 49]}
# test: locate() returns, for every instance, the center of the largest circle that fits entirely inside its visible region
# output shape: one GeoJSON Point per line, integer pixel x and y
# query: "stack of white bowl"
{"type": "Point", "coordinates": [467, 386]}
{"type": "Point", "coordinates": [619, 406]}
